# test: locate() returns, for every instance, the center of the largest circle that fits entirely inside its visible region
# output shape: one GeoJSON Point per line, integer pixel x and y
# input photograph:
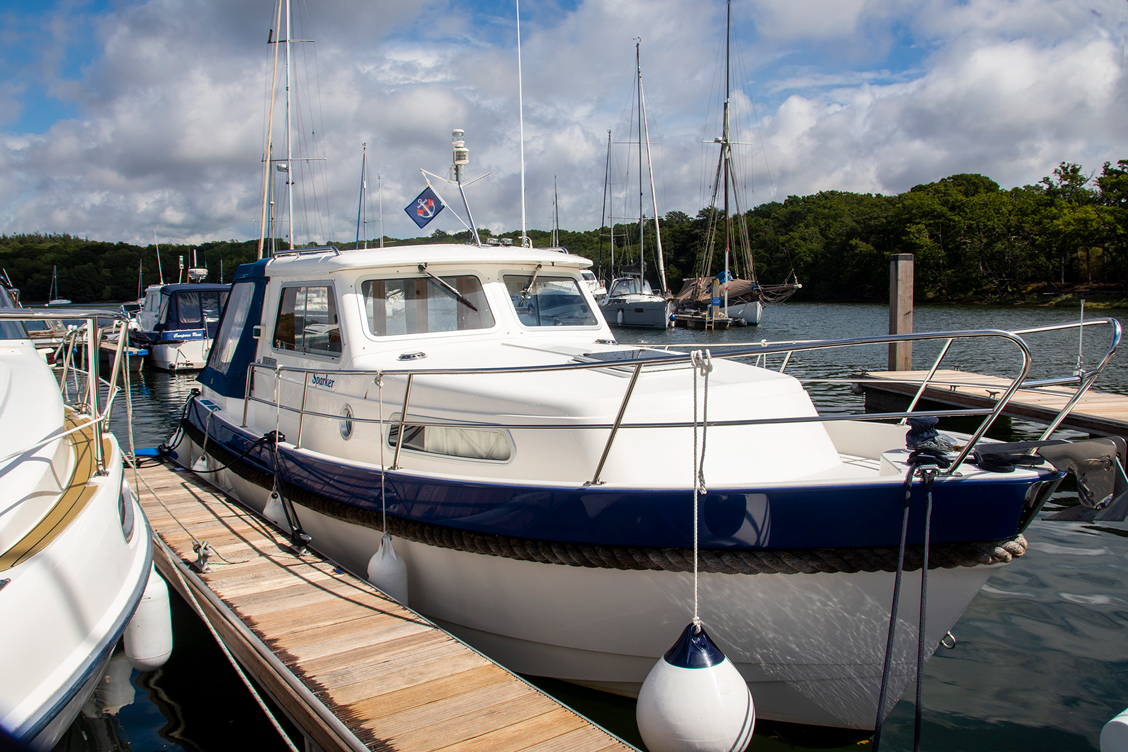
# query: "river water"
{"type": "Point", "coordinates": [1041, 661]}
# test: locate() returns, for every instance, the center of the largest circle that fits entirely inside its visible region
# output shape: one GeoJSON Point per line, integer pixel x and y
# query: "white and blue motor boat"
{"type": "Point", "coordinates": [177, 322]}
{"type": "Point", "coordinates": [538, 479]}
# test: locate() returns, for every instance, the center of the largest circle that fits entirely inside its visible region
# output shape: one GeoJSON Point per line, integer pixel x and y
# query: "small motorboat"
{"type": "Point", "coordinates": [540, 481]}
{"type": "Point", "coordinates": [177, 322]}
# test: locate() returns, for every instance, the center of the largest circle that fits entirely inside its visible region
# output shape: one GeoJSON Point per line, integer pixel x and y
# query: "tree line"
{"type": "Point", "coordinates": [971, 241]}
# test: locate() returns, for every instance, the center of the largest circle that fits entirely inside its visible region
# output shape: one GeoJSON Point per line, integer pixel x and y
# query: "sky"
{"type": "Point", "coordinates": [143, 120]}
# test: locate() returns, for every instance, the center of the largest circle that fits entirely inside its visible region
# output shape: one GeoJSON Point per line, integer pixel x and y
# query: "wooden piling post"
{"type": "Point", "coordinates": [901, 310]}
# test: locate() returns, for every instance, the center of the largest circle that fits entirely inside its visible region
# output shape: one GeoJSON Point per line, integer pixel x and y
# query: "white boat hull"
{"type": "Point", "coordinates": [750, 312]}
{"type": "Point", "coordinates": [811, 646]}
{"type": "Point", "coordinates": [186, 355]}
{"type": "Point", "coordinates": [75, 551]}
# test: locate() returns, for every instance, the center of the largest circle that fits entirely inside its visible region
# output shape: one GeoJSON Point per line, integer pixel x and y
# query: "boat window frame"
{"type": "Point", "coordinates": [558, 273]}
{"type": "Point", "coordinates": [485, 307]}
{"type": "Point", "coordinates": [391, 434]}
{"type": "Point", "coordinates": [333, 298]}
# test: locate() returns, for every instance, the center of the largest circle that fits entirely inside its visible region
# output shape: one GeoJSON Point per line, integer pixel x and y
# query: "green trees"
{"type": "Point", "coordinates": [972, 241]}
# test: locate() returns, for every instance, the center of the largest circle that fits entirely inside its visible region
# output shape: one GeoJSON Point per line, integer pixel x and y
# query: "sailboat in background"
{"type": "Point", "coordinates": [630, 300]}
{"type": "Point", "coordinates": [744, 296]}
{"type": "Point", "coordinates": [53, 298]}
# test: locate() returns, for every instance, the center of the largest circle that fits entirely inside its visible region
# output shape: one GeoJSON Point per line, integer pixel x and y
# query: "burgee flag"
{"type": "Point", "coordinates": [425, 207]}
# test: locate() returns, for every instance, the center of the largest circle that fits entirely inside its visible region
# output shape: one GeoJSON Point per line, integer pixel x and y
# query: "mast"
{"type": "Point", "coordinates": [380, 193]}
{"type": "Point", "coordinates": [641, 250]}
{"type": "Point", "coordinates": [603, 206]}
{"type": "Point", "coordinates": [361, 214]}
{"type": "Point", "coordinates": [521, 120]}
{"type": "Point", "coordinates": [725, 148]}
{"type": "Point", "coordinates": [653, 193]}
{"type": "Point", "coordinates": [160, 272]}
{"type": "Point", "coordinates": [289, 139]}
{"type": "Point", "coordinates": [266, 181]}
{"type": "Point", "coordinates": [555, 214]}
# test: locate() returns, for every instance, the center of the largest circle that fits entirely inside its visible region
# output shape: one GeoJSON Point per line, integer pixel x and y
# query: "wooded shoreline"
{"type": "Point", "coordinates": [973, 242]}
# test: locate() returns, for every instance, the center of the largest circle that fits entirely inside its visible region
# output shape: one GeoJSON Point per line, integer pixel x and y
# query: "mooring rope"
{"type": "Point", "coordinates": [383, 468]}
{"type": "Point", "coordinates": [929, 476]}
{"type": "Point", "coordinates": [702, 365]}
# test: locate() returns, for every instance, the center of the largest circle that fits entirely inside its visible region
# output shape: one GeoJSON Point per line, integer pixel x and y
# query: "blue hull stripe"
{"type": "Point", "coordinates": [850, 515]}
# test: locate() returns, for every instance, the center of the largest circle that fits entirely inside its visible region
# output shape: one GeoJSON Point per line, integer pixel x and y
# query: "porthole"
{"type": "Point", "coordinates": [346, 424]}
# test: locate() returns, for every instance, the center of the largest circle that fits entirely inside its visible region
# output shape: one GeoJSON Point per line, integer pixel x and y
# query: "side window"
{"type": "Point", "coordinates": [189, 308]}
{"type": "Point", "coordinates": [307, 321]}
{"type": "Point", "coordinates": [422, 305]}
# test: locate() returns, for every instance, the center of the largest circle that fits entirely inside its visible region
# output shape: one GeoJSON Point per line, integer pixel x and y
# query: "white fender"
{"type": "Point", "coordinates": [1114, 735]}
{"type": "Point", "coordinates": [694, 700]}
{"type": "Point", "coordinates": [148, 636]}
{"type": "Point", "coordinates": [388, 572]}
{"type": "Point", "coordinates": [274, 512]}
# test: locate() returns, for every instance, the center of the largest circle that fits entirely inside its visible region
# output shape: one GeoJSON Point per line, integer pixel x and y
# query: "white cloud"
{"type": "Point", "coordinates": [861, 95]}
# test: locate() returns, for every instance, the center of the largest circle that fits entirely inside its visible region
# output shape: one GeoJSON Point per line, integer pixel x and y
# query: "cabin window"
{"type": "Point", "coordinates": [307, 321]}
{"type": "Point", "coordinates": [422, 305]}
{"type": "Point", "coordinates": [548, 301]}
{"type": "Point", "coordinates": [231, 330]}
{"type": "Point", "coordinates": [451, 441]}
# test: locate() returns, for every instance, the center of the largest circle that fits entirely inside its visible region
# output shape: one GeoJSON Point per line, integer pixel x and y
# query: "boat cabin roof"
{"type": "Point", "coordinates": [321, 261]}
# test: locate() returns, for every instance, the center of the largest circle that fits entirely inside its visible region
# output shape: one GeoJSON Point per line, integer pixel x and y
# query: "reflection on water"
{"type": "Point", "coordinates": [1042, 656]}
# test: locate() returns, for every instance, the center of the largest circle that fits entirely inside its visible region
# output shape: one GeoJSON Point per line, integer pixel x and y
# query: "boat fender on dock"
{"type": "Point", "coordinates": [388, 572]}
{"type": "Point", "coordinates": [274, 512]}
{"type": "Point", "coordinates": [695, 699]}
{"type": "Point", "coordinates": [148, 636]}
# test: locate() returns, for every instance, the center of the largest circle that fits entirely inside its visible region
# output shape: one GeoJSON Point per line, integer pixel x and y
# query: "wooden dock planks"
{"type": "Point", "coordinates": [1097, 412]}
{"type": "Point", "coordinates": [385, 677]}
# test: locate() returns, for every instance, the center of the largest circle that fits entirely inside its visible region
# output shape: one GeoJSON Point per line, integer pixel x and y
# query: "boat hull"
{"type": "Point", "coordinates": [810, 644]}
{"type": "Point", "coordinates": [637, 314]}
{"type": "Point", "coordinates": [750, 312]}
{"type": "Point", "coordinates": [182, 355]}
{"type": "Point", "coordinates": [78, 593]}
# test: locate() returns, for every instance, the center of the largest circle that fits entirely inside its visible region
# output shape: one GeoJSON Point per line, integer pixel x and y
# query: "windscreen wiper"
{"type": "Point", "coordinates": [525, 292]}
{"type": "Point", "coordinates": [458, 296]}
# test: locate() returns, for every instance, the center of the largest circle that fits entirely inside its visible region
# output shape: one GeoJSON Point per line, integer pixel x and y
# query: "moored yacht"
{"type": "Point", "coordinates": [540, 481]}
{"type": "Point", "coordinates": [631, 302]}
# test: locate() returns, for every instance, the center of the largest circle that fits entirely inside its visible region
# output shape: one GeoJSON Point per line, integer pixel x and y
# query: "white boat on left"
{"type": "Point", "coordinates": [76, 554]}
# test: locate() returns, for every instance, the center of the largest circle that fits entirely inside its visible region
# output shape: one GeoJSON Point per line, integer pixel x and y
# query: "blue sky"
{"type": "Point", "coordinates": [124, 118]}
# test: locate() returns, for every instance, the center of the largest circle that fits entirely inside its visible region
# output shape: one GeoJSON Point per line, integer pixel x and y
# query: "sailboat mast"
{"type": "Point", "coordinates": [725, 152]}
{"type": "Point", "coordinates": [160, 271]}
{"type": "Point", "coordinates": [289, 140]}
{"type": "Point", "coordinates": [603, 206]}
{"type": "Point", "coordinates": [361, 215]}
{"type": "Point", "coordinates": [555, 214]}
{"type": "Point", "coordinates": [380, 193]}
{"type": "Point", "coordinates": [266, 182]}
{"type": "Point", "coordinates": [641, 253]}
{"type": "Point", "coordinates": [653, 193]}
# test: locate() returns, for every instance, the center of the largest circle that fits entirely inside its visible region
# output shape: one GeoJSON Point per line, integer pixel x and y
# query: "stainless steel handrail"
{"type": "Point", "coordinates": [98, 418]}
{"type": "Point", "coordinates": [737, 350]}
